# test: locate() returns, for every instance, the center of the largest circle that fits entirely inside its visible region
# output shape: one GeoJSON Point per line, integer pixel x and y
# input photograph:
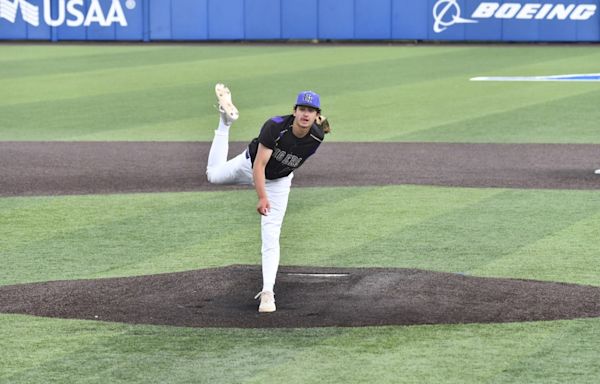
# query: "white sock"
{"type": "Point", "coordinates": [223, 128]}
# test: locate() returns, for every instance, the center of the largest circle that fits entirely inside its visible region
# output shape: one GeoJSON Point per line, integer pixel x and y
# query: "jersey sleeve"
{"type": "Point", "coordinates": [317, 133]}
{"type": "Point", "coordinates": [268, 134]}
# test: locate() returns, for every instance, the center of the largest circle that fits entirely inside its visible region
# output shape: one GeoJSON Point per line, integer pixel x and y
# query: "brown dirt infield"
{"type": "Point", "coordinates": [222, 297]}
{"type": "Point", "coordinates": [65, 168]}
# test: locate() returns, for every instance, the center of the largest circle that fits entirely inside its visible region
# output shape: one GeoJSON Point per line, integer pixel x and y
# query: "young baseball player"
{"type": "Point", "coordinates": [283, 144]}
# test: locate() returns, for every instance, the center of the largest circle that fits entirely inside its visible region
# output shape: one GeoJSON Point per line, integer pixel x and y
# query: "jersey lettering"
{"type": "Point", "coordinates": [278, 154]}
{"type": "Point", "coordinates": [286, 159]}
{"type": "Point", "coordinates": [291, 161]}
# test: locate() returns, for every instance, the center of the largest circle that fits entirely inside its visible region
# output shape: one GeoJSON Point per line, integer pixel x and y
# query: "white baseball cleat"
{"type": "Point", "coordinates": [267, 301]}
{"type": "Point", "coordinates": [597, 171]}
{"type": "Point", "coordinates": [229, 113]}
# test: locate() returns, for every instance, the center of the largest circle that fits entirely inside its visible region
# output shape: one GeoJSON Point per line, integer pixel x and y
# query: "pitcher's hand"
{"type": "Point", "coordinates": [263, 206]}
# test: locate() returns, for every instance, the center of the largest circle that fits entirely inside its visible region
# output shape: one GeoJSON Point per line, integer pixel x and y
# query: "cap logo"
{"type": "Point", "coordinates": [307, 98]}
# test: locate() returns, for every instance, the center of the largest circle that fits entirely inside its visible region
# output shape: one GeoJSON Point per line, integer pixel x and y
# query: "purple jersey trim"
{"type": "Point", "coordinates": [277, 119]}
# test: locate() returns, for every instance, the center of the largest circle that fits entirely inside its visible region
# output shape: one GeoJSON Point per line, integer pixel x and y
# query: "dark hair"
{"type": "Point", "coordinates": [307, 106]}
{"type": "Point", "coordinates": [323, 123]}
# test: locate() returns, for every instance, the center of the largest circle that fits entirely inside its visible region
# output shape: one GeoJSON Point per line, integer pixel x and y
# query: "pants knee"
{"type": "Point", "coordinates": [212, 178]}
{"type": "Point", "coordinates": [209, 177]}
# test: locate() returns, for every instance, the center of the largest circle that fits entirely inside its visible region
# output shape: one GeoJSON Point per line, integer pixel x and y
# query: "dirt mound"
{"type": "Point", "coordinates": [306, 297]}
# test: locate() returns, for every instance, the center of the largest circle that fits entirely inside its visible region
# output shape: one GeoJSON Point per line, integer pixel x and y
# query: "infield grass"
{"type": "Point", "coordinates": [58, 351]}
{"type": "Point", "coordinates": [546, 235]}
{"type": "Point", "coordinates": [370, 93]}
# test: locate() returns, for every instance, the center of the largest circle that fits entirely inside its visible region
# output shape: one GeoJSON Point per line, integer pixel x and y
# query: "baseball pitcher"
{"type": "Point", "coordinates": [283, 144]}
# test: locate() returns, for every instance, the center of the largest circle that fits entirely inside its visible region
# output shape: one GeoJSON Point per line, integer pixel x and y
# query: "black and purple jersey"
{"type": "Point", "coordinates": [289, 151]}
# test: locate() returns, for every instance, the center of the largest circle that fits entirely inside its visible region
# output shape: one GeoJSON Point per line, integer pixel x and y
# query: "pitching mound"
{"type": "Point", "coordinates": [306, 297]}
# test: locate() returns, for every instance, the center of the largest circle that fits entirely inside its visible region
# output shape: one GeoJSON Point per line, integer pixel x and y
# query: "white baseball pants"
{"type": "Point", "coordinates": [238, 170]}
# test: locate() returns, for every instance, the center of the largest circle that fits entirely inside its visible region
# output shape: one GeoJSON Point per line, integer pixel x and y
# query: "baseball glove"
{"type": "Point", "coordinates": [323, 123]}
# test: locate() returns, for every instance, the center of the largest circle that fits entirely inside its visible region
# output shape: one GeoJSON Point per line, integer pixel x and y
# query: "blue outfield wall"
{"type": "Point", "coordinates": [160, 20]}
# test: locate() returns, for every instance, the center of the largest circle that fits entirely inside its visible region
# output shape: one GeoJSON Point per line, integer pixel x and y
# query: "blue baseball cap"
{"type": "Point", "coordinates": [309, 99]}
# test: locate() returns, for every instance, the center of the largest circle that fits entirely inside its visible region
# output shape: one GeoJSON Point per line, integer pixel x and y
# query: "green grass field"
{"type": "Point", "coordinates": [371, 93]}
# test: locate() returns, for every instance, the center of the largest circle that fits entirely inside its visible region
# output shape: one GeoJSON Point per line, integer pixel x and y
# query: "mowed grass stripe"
{"type": "Point", "coordinates": [391, 94]}
{"type": "Point", "coordinates": [107, 115]}
{"type": "Point", "coordinates": [32, 345]}
{"type": "Point", "coordinates": [99, 234]}
{"type": "Point", "coordinates": [445, 111]}
{"type": "Point", "coordinates": [187, 113]}
{"type": "Point", "coordinates": [315, 217]}
{"type": "Point", "coordinates": [52, 350]}
{"type": "Point", "coordinates": [444, 229]}
{"type": "Point", "coordinates": [26, 53]}
{"type": "Point", "coordinates": [564, 354]}
{"type": "Point", "coordinates": [143, 234]}
{"type": "Point", "coordinates": [441, 103]}
{"type": "Point", "coordinates": [363, 223]}
{"type": "Point", "coordinates": [125, 115]}
{"type": "Point", "coordinates": [130, 353]}
{"type": "Point", "coordinates": [118, 108]}
{"type": "Point", "coordinates": [46, 217]}
{"type": "Point", "coordinates": [437, 61]}
{"type": "Point", "coordinates": [564, 60]}
{"type": "Point", "coordinates": [147, 75]}
{"type": "Point", "coordinates": [448, 354]}
{"type": "Point", "coordinates": [572, 250]}
{"type": "Point", "coordinates": [94, 58]}
{"type": "Point", "coordinates": [561, 116]}
{"type": "Point", "coordinates": [126, 58]}
{"type": "Point", "coordinates": [382, 100]}
{"type": "Point", "coordinates": [467, 239]}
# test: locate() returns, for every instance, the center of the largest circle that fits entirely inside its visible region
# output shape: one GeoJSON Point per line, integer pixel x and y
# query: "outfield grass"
{"type": "Point", "coordinates": [375, 93]}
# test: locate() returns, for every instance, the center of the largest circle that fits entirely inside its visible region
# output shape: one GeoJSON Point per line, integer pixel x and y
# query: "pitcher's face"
{"type": "Point", "coordinates": [305, 116]}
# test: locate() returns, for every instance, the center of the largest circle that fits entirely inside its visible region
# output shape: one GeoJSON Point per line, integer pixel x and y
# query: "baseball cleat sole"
{"type": "Point", "coordinates": [267, 309]}
{"type": "Point", "coordinates": [225, 102]}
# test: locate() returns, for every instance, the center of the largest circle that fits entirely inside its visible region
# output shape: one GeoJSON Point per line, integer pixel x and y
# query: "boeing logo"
{"type": "Point", "coordinates": [69, 12]}
{"type": "Point", "coordinates": [446, 13]}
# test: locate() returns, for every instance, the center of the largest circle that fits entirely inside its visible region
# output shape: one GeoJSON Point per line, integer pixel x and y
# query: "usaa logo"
{"type": "Point", "coordinates": [67, 12]}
